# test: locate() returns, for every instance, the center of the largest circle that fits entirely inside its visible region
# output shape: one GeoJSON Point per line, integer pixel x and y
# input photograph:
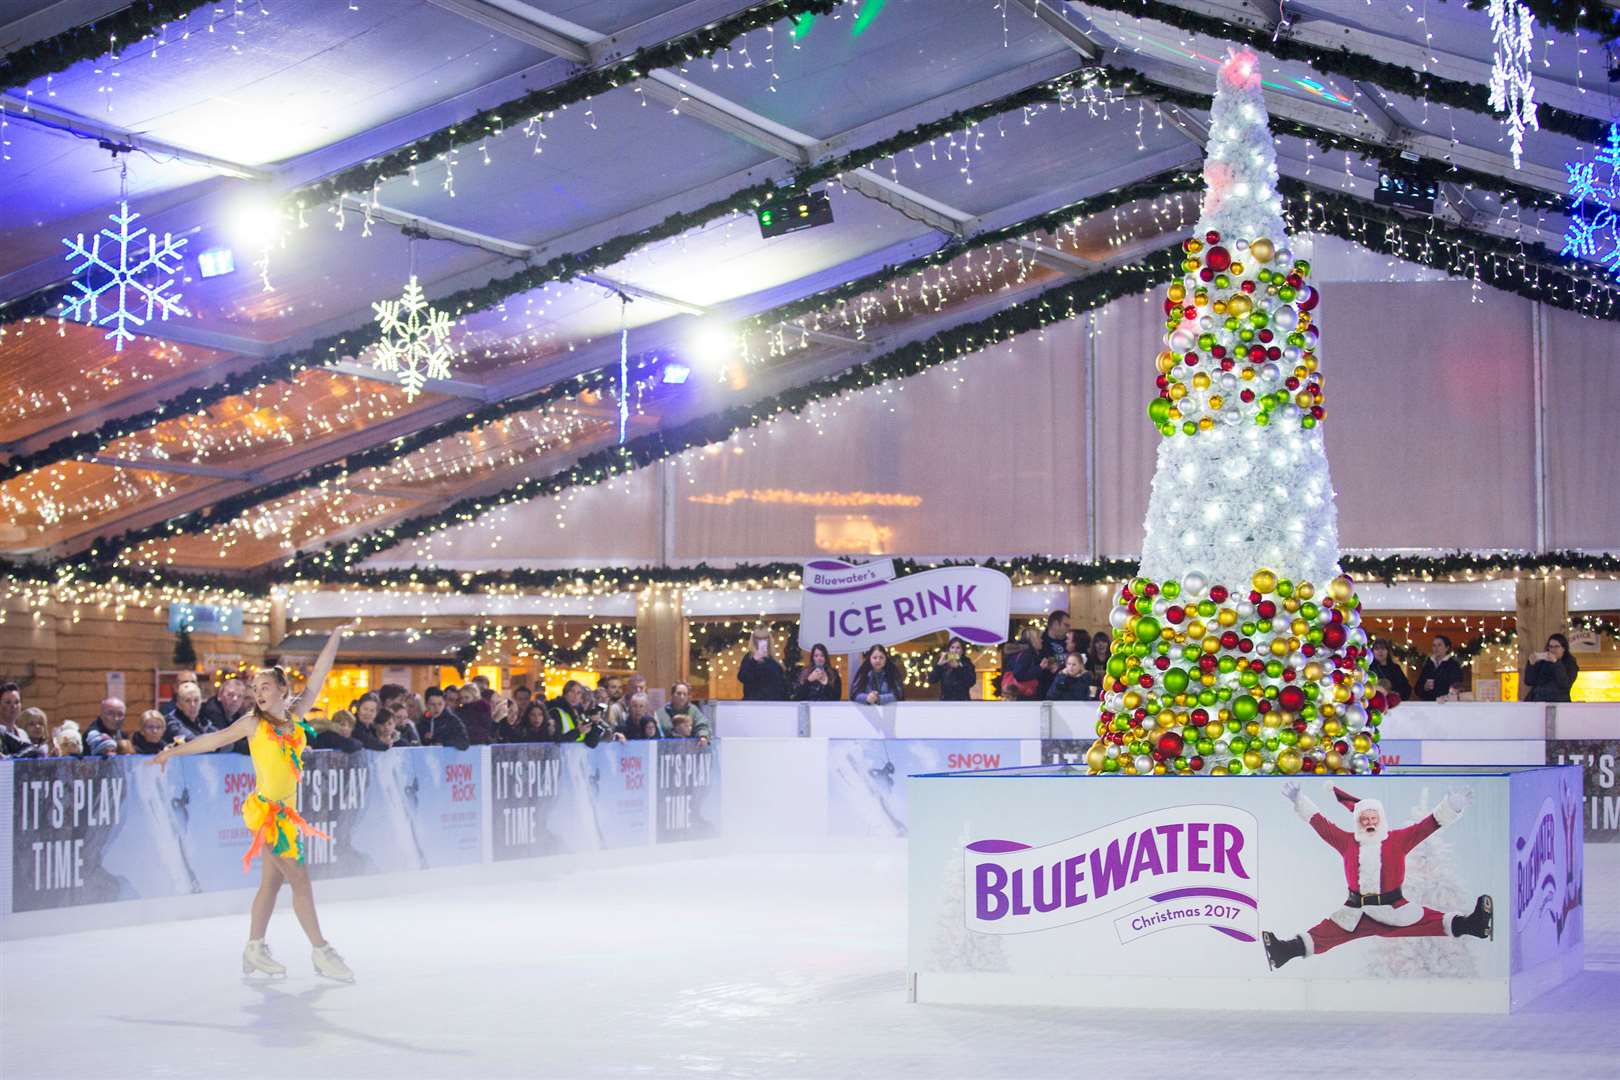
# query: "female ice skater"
{"type": "Point", "coordinates": [276, 738]}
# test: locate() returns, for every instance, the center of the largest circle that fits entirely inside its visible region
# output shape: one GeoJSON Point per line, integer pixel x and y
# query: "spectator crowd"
{"type": "Point", "coordinates": [618, 709]}
{"type": "Point", "coordinates": [1059, 663]}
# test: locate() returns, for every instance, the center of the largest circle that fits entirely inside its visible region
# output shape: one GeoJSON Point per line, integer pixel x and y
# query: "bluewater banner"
{"type": "Point", "coordinates": [1597, 758]}
{"type": "Point", "coordinates": [867, 778]}
{"type": "Point", "coordinates": [1046, 873]}
{"type": "Point", "coordinates": [688, 790]}
{"type": "Point", "coordinates": [1547, 909]}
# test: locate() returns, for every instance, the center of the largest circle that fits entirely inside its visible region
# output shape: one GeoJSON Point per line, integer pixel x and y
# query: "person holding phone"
{"type": "Point", "coordinates": [1441, 674]}
{"type": "Point", "coordinates": [761, 673]}
{"type": "Point", "coordinates": [818, 680]}
{"type": "Point", "coordinates": [878, 681]}
{"type": "Point", "coordinates": [1552, 672]}
{"type": "Point", "coordinates": [954, 673]}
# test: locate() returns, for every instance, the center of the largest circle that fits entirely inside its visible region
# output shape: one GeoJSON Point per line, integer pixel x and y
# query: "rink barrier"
{"type": "Point", "coordinates": [798, 765]}
{"type": "Point", "coordinates": [1039, 886]}
{"type": "Point", "coordinates": [96, 831]}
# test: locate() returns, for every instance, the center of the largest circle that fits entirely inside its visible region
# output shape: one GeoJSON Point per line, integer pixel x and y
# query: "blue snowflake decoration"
{"type": "Point", "coordinates": [114, 288]}
{"type": "Point", "coordinates": [1594, 206]}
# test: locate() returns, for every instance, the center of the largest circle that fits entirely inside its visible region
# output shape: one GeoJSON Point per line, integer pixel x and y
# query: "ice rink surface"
{"type": "Point", "coordinates": [709, 963]}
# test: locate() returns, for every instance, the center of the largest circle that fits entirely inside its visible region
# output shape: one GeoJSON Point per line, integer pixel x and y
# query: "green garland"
{"type": "Point", "coordinates": [91, 40]}
{"type": "Point", "coordinates": [1569, 17]}
{"type": "Point", "coordinates": [491, 122]}
{"type": "Point", "coordinates": [570, 265]}
{"type": "Point", "coordinates": [1061, 302]}
{"type": "Point", "coordinates": [1396, 78]}
{"type": "Point", "coordinates": [1031, 569]}
{"type": "Point", "coordinates": [1307, 206]}
{"type": "Point", "coordinates": [1393, 235]}
{"type": "Point", "coordinates": [563, 267]}
{"type": "Point", "coordinates": [621, 639]}
{"type": "Point", "coordinates": [105, 549]}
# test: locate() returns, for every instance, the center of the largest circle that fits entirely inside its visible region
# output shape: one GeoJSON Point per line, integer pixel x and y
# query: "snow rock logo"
{"type": "Point", "coordinates": [1190, 866]}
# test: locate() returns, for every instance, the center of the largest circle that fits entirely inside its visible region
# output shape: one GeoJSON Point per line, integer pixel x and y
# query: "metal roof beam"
{"type": "Point", "coordinates": [70, 123]}
{"type": "Point", "coordinates": [1319, 114]}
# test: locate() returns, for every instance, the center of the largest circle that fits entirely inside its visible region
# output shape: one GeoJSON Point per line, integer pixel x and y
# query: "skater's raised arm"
{"type": "Point", "coordinates": [209, 741]}
{"type": "Point", "coordinates": [322, 668]}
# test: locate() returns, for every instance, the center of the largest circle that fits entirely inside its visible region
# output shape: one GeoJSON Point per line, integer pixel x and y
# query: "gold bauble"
{"type": "Point", "coordinates": [1252, 759]}
{"type": "Point", "coordinates": [1096, 756]}
{"type": "Point", "coordinates": [1178, 292]}
{"type": "Point", "coordinates": [1341, 588]}
{"type": "Point", "coordinates": [1212, 730]}
{"type": "Point", "coordinates": [1361, 743]}
{"type": "Point", "coordinates": [1262, 250]}
{"type": "Point", "coordinates": [1306, 741]}
{"type": "Point", "coordinates": [1195, 629]}
{"type": "Point", "coordinates": [1132, 699]}
{"type": "Point", "coordinates": [1288, 761]}
{"type": "Point", "coordinates": [1240, 305]}
{"type": "Point", "coordinates": [1166, 363]}
{"type": "Point", "coordinates": [1178, 391]}
{"type": "Point", "coordinates": [1216, 401]}
{"type": "Point", "coordinates": [1313, 670]}
{"type": "Point", "coordinates": [1333, 760]}
{"type": "Point", "coordinates": [1206, 424]}
{"type": "Point", "coordinates": [1201, 380]}
{"type": "Point", "coordinates": [1264, 581]}
{"type": "Point", "coordinates": [1279, 648]}
{"type": "Point", "coordinates": [1304, 591]}
{"type": "Point", "coordinates": [1226, 617]}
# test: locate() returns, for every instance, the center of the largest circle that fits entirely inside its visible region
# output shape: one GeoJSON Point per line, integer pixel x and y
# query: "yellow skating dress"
{"type": "Point", "coordinates": [271, 812]}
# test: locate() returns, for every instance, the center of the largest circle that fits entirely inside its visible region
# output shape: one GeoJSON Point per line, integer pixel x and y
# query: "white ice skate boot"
{"type": "Point", "coordinates": [330, 964]}
{"type": "Point", "coordinates": [256, 957]}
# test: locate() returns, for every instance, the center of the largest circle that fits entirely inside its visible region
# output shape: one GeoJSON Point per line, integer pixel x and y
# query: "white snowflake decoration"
{"type": "Point", "coordinates": [1594, 206]}
{"type": "Point", "coordinates": [1512, 91]}
{"type": "Point", "coordinates": [90, 301]}
{"type": "Point", "coordinates": [415, 339]}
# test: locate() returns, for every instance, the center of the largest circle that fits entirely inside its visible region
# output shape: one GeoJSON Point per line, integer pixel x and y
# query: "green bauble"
{"type": "Point", "coordinates": [1147, 627]}
{"type": "Point", "coordinates": [1245, 708]}
{"type": "Point", "coordinates": [1159, 411]}
{"type": "Point", "coordinates": [1175, 680]}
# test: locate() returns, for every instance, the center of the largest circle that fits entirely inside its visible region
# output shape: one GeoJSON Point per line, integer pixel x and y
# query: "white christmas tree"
{"type": "Point", "coordinates": [956, 948]}
{"type": "Point", "coordinates": [1239, 647]}
{"type": "Point", "coordinates": [1431, 880]}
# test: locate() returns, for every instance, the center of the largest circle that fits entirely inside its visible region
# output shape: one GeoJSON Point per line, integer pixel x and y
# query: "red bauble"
{"type": "Point", "coordinates": [1212, 237]}
{"type": "Point", "coordinates": [1245, 645]}
{"type": "Point", "coordinates": [1265, 335]}
{"type": "Point", "coordinates": [1207, 663]}
{"type": "Point", "coordinates": [1229, 639]}
{"type": "Point", "coordinates": [1228, 364]}
{"type": "Point", "coordinates": [1247, 286]}
{"type": "Point", "coordinates": [1254, 596]}
{"type": "Point", "coordinates": [1307, 298]}
{"type": "Point", "coordinates": [1206, 274]}
{"type": "Point", "coordinates": [1144, 680]}
{"type": "Point", "coordinates": [1247, 395]}
{"type": "Point", "coordinates": [1291, 382]}
{"type": "Point", "coordinates": [1162, 663]}
{"type": "Point", "coordinates": [1217, 351]}
{"type": "Point", "coordinates": [1195, 763]}
{"type": "Point", "coordinates": [1273, 353]}
{"type": "Point", "coordinates": [1218, 258]}
{"type": "Point", "coordinates": [1171, 744]}
{"type": "Point", "coordinates": [1175, 613]}
{"type": "Point", "coordinates": [1333, 635]}
{"type": "Point", "coordinates": [1291, 698]}
{"type": "Point", "coordinates": [1218, 593]}
{"type": "Point", "coordinates": [1150, 589]}
{"type": "Point", "coordinates": [1267, 609]}
{"type": "Point", "coordinates": [1200, 717]}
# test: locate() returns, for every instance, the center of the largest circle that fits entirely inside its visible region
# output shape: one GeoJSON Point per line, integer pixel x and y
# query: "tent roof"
{"type": "Point", "coordinates": [231, 107]}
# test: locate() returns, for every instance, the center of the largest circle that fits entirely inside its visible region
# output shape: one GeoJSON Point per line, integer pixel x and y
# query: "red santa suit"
{"type": "Point", "coordinates": [1374, 871]}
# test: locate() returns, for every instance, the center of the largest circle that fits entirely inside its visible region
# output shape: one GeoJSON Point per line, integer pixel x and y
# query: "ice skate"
{"type": "Point", "coordinates": [1480, 923]}
{"type": "Point", "coordinates": [1278, 952]}
{"type": "Point", "coordinates": [331, 965]}
{"type": "Point", "coordinates": [256, 957]}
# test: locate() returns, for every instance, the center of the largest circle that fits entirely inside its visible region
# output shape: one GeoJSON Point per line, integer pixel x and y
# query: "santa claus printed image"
{"type": "Point", "coordinates": [1374, 870]}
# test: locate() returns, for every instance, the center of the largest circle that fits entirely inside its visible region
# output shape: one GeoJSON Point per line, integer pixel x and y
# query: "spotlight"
{"type": "Point", "coordinates": [713, 346]}
{"type": "Point", "coordinates": [256, 223]}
